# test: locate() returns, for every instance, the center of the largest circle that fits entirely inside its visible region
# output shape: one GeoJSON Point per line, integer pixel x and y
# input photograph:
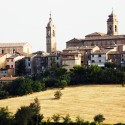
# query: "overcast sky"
{"type": "Point", "coordinates": [26, 20]}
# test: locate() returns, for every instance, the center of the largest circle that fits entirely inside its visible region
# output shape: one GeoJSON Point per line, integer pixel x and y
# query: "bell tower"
{"type": "Point", "coordinates": [112, 24]}
{"type": "Point", "coordinates": [50, 36]}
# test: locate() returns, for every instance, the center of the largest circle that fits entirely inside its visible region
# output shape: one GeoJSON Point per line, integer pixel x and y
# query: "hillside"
{"type": "Point", "coordinates": [86, 101]}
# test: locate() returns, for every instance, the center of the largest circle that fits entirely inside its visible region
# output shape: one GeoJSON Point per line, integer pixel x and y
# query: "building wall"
{"type": "Point", "coordinates": [3, 60]}
{"type": "Point", "coordinates": [98, 59]}
{"type": "Point", "coordinates": [69, 62]}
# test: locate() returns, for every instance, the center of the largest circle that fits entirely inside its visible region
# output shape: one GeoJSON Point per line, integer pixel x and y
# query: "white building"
{"type": "Point", "coordinates": [100, 57]}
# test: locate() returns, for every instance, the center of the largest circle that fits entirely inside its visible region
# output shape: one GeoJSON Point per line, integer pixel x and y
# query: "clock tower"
{"type": "Point", "coordinates": [50, 36]}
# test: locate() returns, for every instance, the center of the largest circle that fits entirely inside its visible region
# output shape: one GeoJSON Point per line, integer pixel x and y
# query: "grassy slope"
{"type": "Point", "coordinates": [86, 101]}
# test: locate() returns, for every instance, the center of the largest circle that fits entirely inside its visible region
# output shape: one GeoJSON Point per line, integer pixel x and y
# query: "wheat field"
{"type": "Point", "coordinates": [85, 101]}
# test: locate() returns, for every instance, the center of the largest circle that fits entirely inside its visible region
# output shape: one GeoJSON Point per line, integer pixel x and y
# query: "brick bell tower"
{"type": "Point", "coordinates": [50, 36]}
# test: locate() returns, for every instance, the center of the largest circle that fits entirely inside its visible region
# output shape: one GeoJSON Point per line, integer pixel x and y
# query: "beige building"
{"type": "Point", "coordinates": [11, 48]}
{"type": "Point", "coordinates": [10, 64]}
{"type": "Point", "coordinates": [101, 39]}
{"type": "Point", "coordinates": [3, 60]}
{"type": "Point", "coordinates": [50, 36]}
{"type": "Point", "coordinates": [71, 59]}
{"type": "Point", "coordinates": [85, 52]}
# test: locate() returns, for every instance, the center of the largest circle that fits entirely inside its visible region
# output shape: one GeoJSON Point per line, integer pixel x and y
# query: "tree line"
{"type": "Point", "coordinates": [58, 77]}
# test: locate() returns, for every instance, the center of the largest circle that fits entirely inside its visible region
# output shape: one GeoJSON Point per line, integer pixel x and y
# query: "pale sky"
{"type": "Point", "coordinates": [26, 20]}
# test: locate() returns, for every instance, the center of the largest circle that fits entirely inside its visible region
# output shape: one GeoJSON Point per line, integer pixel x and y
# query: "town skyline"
{"type": "Point", "coordinates": [26, 21]}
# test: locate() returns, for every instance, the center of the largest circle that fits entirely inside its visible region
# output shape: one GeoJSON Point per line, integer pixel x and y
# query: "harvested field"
{"type": "Point", "coordinates": [86, 101]}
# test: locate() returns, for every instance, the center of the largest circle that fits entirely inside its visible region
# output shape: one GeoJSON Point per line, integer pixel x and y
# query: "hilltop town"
{"type": "Point", "coordinates": [95, 49]}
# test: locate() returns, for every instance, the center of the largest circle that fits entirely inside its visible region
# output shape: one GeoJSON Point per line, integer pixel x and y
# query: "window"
{"type": "Point", "coordinates": [2, 51]}
{"type": "Point", "coordinates": [11, 60]}
{"type": "Point", "coordinates": [28, 59]}
{"type": "Point", "coordinates": [7, 60]}
{"type": "Point", "coordinates": [122, 59]}
{"type": "Point", "coordinates": [53, 33]}
{"type": "Point", "coordinates": [115, 28]}
{"type": "Point", "coordinates": [99, 60]}
{"type": "Point", "coordinates": [92, 55]}
{"type": "Point", "coordinates": [99, 55]}
{"type": "Point", "coordinates": [93, 61]}
{"type": "Point", "coordinates": [11, 66]}
{"type": "Point", "coordinates": [28, 64]}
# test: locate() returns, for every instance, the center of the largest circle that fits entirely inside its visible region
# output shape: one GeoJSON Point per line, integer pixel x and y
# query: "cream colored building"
{"type": "Point", "coordinates": [71, 59]}
{"type": "Point", "coordinates": [11, 48]}
{"type": "Point", "coordinates": [50, 36]}
{"type": "Point", "coordinates": [10, 64]}
{"type": "Point", "coordinates": [3, 60]}
{"type": "Point", "coordinates": [85, 52]}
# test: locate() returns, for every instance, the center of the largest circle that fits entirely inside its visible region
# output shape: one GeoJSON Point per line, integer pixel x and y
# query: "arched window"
{"type": "Point", "coordinates": [53, 33]}
{"type": "Point", "coordinates": [115, 28]}
{"type": "Point", "coordinates": [110, 27]}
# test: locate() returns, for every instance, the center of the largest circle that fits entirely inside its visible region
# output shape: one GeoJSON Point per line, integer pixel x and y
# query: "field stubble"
{"type": "Point", "coordinates": [85, 101]}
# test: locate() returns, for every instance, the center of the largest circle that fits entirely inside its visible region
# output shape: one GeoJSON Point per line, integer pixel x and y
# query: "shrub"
{"type": "Point", "coordinates": [66, 119]}
{"type": "Point", "coordinates": [58, 94]}
{"type": "Point", "coordinates": [79, 120]}
{"type": "Point", "coordinates": [51, 82]}
{"type": "Point", "coordinates": [61, 84]}
{"type": "Point", "coordinates": [99, 118]}
{"type": "Point", "coordinates": [56, 117]}
{"type": "Point", "coordinates": [38, 86]}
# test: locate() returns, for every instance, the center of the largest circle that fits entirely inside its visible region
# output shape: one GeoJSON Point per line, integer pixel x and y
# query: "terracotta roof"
{"type": "Point", "coordinates": [101, 51]}
{"type": "Point", "coordinates": [108, 37]}
{"type": "Point", "coordinates": [86, 47]}
{"type": "Point", "coordinates": [12, 57]}
{"type": "Point", "coordinates": [71, 48]}
{"type": "Point", "coordinates": [75, 40]}
{"type": "Point", "coordinates": [95, 34]}
{"type": "Point", "coordinates": [12, 44]}
{"type": "Point", "coordinates": [114, 52]}
{"type": "Point", "coordinates": [2, 55]}
{"type": "Point", "coordinates": [7, 78]}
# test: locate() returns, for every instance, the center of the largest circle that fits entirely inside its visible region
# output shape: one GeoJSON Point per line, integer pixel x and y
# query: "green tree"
{"type": "Point", "coordinates": [5, 117]}
{"type": "Point", "coordinates": [110, 65]}
{"type": "Point", "coordinates": [20, 68]}
{"type": "Point", "coordinates": [38, 86]}
{"type": "Point", "coordinates": [20, 86]}
{"type": "Point", "coordinates": [23, 115]}
{"type": "Point", "coordinates": [37, 117]}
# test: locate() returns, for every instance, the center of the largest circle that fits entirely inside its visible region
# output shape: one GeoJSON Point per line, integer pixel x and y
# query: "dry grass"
{"type": "Point", "coordinates": [86, 101]}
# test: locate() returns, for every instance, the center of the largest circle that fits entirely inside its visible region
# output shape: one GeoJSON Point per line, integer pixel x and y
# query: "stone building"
{"type": "Point", "coordinates": [11, 48]}
{"type": "Point", "coordinates": [71, 59]}
{"type": "Point", "coordinates": [101, 39]}
{"type": "Point", "coordinates": [50, 36]}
